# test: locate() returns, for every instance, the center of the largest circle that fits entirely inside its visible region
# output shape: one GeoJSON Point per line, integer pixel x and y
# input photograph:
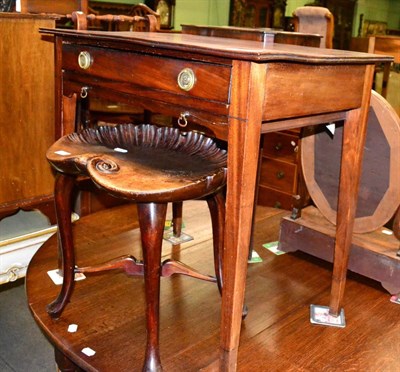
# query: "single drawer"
{"type": "Point", "coordinates": [311, 89]}
{"type": "Point", "coordinates": [200, 80]}
{"type": "Point", "coordinates": [278, 174]}
{"type": "Point", "coordinates": [269, 197]}
{"type": "Point", "coordinates": [281, 145]}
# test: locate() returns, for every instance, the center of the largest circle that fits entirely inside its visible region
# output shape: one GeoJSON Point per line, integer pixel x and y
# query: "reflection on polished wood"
{"type": "Point", "coordinates": [276, 335]}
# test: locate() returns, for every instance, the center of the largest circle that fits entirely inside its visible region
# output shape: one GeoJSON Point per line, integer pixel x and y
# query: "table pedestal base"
{"type": "Point", "coordinates": [372, 254]}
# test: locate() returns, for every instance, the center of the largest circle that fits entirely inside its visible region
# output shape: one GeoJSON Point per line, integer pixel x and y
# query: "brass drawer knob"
{"type": "Point", "coordinates": [280, 175]}
{"type": "Point", "coordinates": [84, 60]}
{"type": "Point", "coordinates": [186, 79]}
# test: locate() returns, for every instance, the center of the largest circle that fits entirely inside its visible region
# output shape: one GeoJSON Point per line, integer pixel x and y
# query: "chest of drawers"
{"type": "Point", "coordinates": [279, 173]}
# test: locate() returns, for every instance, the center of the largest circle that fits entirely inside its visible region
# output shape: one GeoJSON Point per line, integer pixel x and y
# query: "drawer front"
{"type": "Point", "coordinates": [279, 175]}
{"type": "Point", "coordinates": [210, 81]}
{"type": "Point", "coordinates": [311, 89]}
{"type": "Point", "coordinates": [269, 197]}
{"type": "Point", "coordinates": [281, 146]}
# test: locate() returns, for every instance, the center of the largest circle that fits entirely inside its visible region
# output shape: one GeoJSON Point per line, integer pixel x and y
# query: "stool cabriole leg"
{"type": "Point", "coordinates": [63, 189]}
{"type": "Point", "coordinates": [216, 205]}
{"type": "Point", "coordinates": [152, 221]}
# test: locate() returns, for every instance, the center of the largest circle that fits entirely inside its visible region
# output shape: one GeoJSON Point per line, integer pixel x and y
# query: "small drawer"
{"type": "Point", "coordinates": [206, 81]}
{"type": "Point", "coordinates": [281, 145]}
{"type": "Point", "coordinates": [278, 174]}
{"type": "Point", "coordinates": [303, 83]}
{"type": "Point", "coordinates": [269, 197]}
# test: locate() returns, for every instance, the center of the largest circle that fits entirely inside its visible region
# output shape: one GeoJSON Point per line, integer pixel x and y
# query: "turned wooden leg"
{"type": "Point", "coordinates": [385, 78]}
{"type": "Point", "coordinates": [216, 205]}
{"type": "Point", "coordinates": [152, 220]}
{"type": "Point", "coordinates": [302, 198]}
{"type": "Point", "coordinates": [177, 218]}
{"type": "Point", "coordinates": [63, 188]}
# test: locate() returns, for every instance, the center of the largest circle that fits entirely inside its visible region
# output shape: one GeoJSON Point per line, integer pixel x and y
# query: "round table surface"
{"type": "Point", "coordinates": [109, 307]}
{"type": "Point", "coordinates": [379, 191]}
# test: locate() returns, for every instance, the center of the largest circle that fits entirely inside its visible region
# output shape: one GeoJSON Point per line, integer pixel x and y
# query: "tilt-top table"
{"type": "Point", "coordinates": [237, 90]}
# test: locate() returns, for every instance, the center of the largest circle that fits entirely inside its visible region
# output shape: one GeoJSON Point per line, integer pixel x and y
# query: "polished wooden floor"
{"type": "Point", "coordinates": [276, 335]}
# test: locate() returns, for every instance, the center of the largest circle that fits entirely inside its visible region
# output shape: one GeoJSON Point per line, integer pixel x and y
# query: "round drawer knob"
{"type": "Point", "coordinates": [84, 60]}
{"type": "Point", "coordinates": [186, 79]}
{"type": "Point", "coordinates": [280, 175]}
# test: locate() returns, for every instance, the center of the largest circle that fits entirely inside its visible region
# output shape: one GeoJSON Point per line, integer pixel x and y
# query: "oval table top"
{"type": "Point", "coordinates": [379, 192]}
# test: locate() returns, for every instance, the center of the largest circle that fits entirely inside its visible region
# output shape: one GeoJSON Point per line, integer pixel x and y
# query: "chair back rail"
{"type": "Point", "coordinates": [315, 20]}
{"type": "Point", "coordinates": [144, 23]}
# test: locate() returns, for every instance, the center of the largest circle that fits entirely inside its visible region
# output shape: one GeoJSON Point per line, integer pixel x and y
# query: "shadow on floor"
{"type": "Point", "coordinates": [22, 345]}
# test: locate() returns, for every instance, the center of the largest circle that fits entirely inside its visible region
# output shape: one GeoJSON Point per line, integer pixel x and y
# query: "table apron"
{"type": "Point", "coordinates": [298, 90]}
{"type": "Point", "coordinates": [292, 90]}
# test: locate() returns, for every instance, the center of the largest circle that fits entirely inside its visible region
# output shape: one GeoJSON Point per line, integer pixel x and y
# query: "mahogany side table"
{"type": "Point", "coordinates": [237, 90]}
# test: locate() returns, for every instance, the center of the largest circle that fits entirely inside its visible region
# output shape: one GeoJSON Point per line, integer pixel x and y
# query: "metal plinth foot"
{"type": "Point", "coordinates": [175, 240]}
{"type": "Point", "coordinates": [320, 315]}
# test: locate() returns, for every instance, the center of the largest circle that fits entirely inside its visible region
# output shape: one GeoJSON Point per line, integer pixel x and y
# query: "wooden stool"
{"type": "Point", "coordinates": [151, 166]}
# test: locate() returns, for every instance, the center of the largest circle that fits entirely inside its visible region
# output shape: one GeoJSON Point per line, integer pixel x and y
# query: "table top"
{"type": "Point", "coordinates": [221, 47]}
{"type": "Point", "coordinates": [378, 44]}
{"type": "Point", "coordinates": [265, 35]}
{"type": "Point", "coordinates": [257, 30]}
{"type": "Point", "coordinates": [393, 37]}
{"type": "Point", "coordinates": [249, 33]}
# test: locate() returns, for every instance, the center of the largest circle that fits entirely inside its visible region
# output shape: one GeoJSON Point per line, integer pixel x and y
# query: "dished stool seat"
{"type": "Point", "coordinates": [151, 166]}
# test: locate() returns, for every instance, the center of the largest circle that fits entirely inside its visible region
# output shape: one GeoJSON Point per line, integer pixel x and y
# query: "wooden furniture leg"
{"type": "Point", "coordinates": [302, 198]}
{"type": "Point", "coordinates": [260, 158]}
{"type": "Point", "coordinates": [385, 78]}
{"type": "Point", "coordinates": [64, 364]}
{"type": "Point", "coordinates": [244, 139]}
{"type": "Point", "coordinates": [177, 218]}
{"type": "Point", "coordinates": [354, 135]}
{"type": "Point", "coordinates": [216, 205]}
{"type": "Point", "coordinates": [63, 190]}
{"type": "Point", "coordinates": [152, 220]}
